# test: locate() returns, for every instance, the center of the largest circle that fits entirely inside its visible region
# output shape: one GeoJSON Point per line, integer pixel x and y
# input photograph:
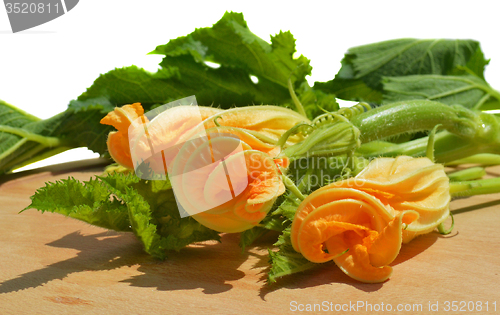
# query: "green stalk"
{"type": "Point", "coordinates": [475, 187]}
{"type": "Point", "coordinates": [290, 185]}
{"type": "Point", "coordinates": [468, 132]}
{"type": "Point", "coordinates": [20, 111]}
{"type": "Point", "coordinates": [45, 141]}
{"type": "Point", "coordinates": [36, 154]}
{"type": "Point", "coordinates": [374, 147]}
{"type": "Point", "coordinates": [30, 148]}
{"type": "Point", "coordinates": [13, 148]}
{"type": "Point", "coordinates": [489, 91]}
{"type": "Point", "coordinates": [482, 159]}
{"type": "Point", "coordinates": [447, 147]}
{"type": "Point", "coordinates": [18, 161]}
{"type": "Point", "coordinates": [467, 174]}
{"type": "Point", "coordinates": [413, 116]}
{"type": "Point", "coordinates": [295, 99]}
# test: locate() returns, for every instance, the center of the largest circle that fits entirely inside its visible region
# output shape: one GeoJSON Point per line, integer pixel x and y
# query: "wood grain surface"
{"type": "Point", "coordinates": [50, 264]}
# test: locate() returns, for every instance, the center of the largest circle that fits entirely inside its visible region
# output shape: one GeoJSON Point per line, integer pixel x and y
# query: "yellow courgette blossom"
{"type": "Point", "coordinates": [175, 132]}
{"type": "Point", "coordinates": [360, 223]}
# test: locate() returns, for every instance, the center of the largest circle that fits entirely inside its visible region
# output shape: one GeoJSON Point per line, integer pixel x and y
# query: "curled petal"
{"type": "Point", "coordinates": [386, 246]}
{"type": "Point", "coordinates": [118, 148]}
{"type": "Point", "coordinates": [265, 187]}
{"type": "Point", "coordinates": [329, 221]}
{"type": "Point", "coordinates": [325, 196]}
{"type": "Point", "coordinates": [249, 213]}
{"type": "Point", "coordinates": [254, 193]}
{"type": "Point", "coordinates": [122, 117]}
{"type": "Point", "coordinates": [343, 231]}
{"type": "Point", "coordinates": [118, 144]}
{"type": "Point", "coordinates": [356, 264]}
{"type": "Point", "coordinates": [368, 261]}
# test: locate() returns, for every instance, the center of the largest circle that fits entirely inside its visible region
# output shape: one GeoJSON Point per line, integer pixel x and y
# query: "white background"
{"type": "Point", "coordinates": [43, 68]}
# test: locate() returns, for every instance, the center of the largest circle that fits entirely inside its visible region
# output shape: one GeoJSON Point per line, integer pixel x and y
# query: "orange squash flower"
{"type": "Point", "coordinates": [360, 223]}
{"type": "Point", "coordinates": [187, 137]}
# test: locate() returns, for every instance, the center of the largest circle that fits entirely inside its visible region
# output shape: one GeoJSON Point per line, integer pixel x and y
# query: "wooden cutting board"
{"type": "Point", "coordinates": [50, 264]}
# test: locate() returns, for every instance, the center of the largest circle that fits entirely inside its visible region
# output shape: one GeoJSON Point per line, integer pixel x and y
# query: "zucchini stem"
{"type": "Point", "coordinates": [475, 187]}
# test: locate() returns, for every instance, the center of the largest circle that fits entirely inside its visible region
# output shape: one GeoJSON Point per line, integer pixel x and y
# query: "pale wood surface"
{"type": "Point", "coordinates": [50, 264]}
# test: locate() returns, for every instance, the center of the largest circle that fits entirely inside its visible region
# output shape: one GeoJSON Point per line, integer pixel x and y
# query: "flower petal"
{"type": "Point", "coordinates": [356, 264]}
{"type": "Point", "coordinates": [335, 218]}
{"type": "Point", "coordinates": [118, 142]}
{"type": "Point", "coordinates": [118, 148]}
{"type": "Point", "coordinates": [407, 183]}
{"type": "Point", "coordinates": [386, 246]}
{"type": "Point", "coordinates": [122, 117]}
{"type": "Point", "coordinates": [324, 196]}
{"type": "Point", "coordinates": [262, 186]}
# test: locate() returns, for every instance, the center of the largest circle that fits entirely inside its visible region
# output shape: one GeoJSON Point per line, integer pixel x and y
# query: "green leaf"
{"type": "Point", "coordinates": [286, 260]}
{"type": "Point", "coordinates": [239, 54]}
{"type": "Point", "coordinates": [140, 215]}
{"type": "Point", "coordinates": [316, 102]}
{"type": "Point", "coordinates": [491, 104]}
{"type": "Point", "coordinates": [355, 90]}
{"type": "Point", "coordinates": [82, 129]}
{"type": "Point", "coordinates": [21, 137]}
{"type": "Point", "coordinates": [129, 85]}
{"type": "Point", "coordinates": [269, 223]}
{"type": "Point", "coordinates": [475, 65]}
{"type": "Point", "coordinates": [184, 72]}
{"type": "Point", "coordinates": [402, 57]}
{"type": "Point", "coordinates": [287, 263]}
{"type": "Point", "coordinates": [466, 90]}
{"type": "Point", "coordinates": [273, 223]}
{"type": "Point", "coordinates": [410, 56]}
{"type": "Point", "coordinates": [249, 236]}
{"type": "Point", "coordinates": [224, 87]}
{"type": "Point", "coordinates": [155, 217]}
{"type": "Point", "coordinates": [288, 207]}
{"type": "Point", "coordinates": [123, 202]}
{"type": "Point", "coordinates": [89, 201]}
{"type": "Point", "coordinates": [25, 139]}
{"type": "Point", "coordinates": [284, 242]}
